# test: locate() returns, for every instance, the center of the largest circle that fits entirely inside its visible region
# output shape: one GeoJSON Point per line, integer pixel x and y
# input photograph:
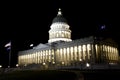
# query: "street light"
{"type": "Point", "coordinates": [17, 65]}
{"type": "Point", "coordinates": [0, 66]}
{"type": "Point", "coordinates": [31, 45]}
{"type": "Point", "coordinates": [81, 63]}
{"type": "Point", "coordinates": [8, 47]}
{"type": "Point", "coordinates": [87, 65]}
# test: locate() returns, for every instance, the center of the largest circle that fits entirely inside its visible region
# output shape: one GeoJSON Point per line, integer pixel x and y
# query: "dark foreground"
{"type": "Point", "coordinates": [61, 75]}
{"type": "Point", "coordinates": [102, 75]}
{"type": "Point", "coordinates": [38, 75]}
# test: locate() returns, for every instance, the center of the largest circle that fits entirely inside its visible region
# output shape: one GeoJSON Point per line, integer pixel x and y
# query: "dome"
{"type": "Point", "coordinates": [59, 29]}
{"type": "Point", "coordinates": [59, 18]}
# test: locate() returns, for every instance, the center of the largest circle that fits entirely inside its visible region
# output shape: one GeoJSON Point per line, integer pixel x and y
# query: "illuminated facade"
{"type": "Point", "coordinates": [62, 51]}
{"type": "Point", "coordinates": [59, 29]}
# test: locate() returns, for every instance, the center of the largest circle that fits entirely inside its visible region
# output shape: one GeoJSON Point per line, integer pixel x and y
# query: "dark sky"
{"type": "Point", "coordinates": [24, 23]}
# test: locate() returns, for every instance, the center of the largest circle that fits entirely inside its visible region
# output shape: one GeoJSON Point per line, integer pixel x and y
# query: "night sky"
{"type": "Point", "coordinates": [24, 23]}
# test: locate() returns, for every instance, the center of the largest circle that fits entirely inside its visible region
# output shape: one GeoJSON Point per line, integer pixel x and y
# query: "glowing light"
{"type": "Point", "coordinates": [8, 44]}
{"type": "Point", "coordinates": [31, 45]}
{"type": "Point", "coordinates": [59, 12]}
{"type": "Point", "coordinates": [53, 62]}
{"type": "Point", "coordinates": [43, 63]}
{"type": "Point", "coordinates": [63, 63]}
{"type": "Point", "coordinates": [59, 39]}
{"type": "Point", "coordinates": [111, 63]}
{"type": "Point", "coordinates": [0, 66]}
{"type": "Point", "coordinates": [80, 59]}
{"type": "Point", "coordinates": [87, 65]}
{"type": "Point", "coordinates": [17, 65]}
{"type": "Point", "coordinates": [103, 27]}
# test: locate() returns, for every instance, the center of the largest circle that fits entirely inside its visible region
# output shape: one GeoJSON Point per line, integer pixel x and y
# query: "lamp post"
{"type": "Point", "coordinates": [8, 47]}
{"type": "Point", "coordinates": [81, 63]}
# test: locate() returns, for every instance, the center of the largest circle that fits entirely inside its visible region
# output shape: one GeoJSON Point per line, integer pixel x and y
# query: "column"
{"type": "Point", "coordinates": [88, 51]}
{"type": "Point", "coordinates": [110, 53]}
{"type": "Point", "coordinates": [45, 56]}
{"type": "Point", "coordinates": [64, 52]}
{"type": "Point", "coordinates": [116, 54]}
{"type": "Point", "coordinates": [57, 55]}
{"type": "Point", "coordinates": [71, 53]}
{"type": "Point", "coordinates": [86, 57]}
{"type": "Point", "coordinates": [53, 56]}
{"type": "Point", "coordinates": [79, 53]}
{"type": "Point", "coordinates": [49, 55]}
{"type": "Point", "coordinates": [61, 52]}
{"type": "Point", "coordinates": [93, 55]}
{"type": "Point", "coordinates": [82, 52]}
{"type": "Point", "coordinates": [75, 53]}
{"type": "Point", "coordinates": [68, 51]}
{"type": "Point", "coordinates": [38, 58]}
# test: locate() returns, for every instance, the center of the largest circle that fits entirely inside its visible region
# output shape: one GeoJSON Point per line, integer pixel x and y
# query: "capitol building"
{"type": "Point", "coordinates": [62, 51]}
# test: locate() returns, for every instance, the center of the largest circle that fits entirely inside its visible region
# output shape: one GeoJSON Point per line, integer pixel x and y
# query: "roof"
{"type": "Point", "coordinates": [59, 18]}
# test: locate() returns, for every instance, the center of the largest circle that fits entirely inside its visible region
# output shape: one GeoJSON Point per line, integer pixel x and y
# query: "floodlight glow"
{"type": "Point", "coordinates": [63, 63]}
{"type": "Point", "coordinates": [53, 62]}
{"type": "Point", "coordinates": [80, 59]}
{"type": "Point", "coordinates": [87, 64]}
{"type": "Point", "coordinates": [17, 65]}
{"type": "Point", "coordinates": [0, 66]}
{"type": "Point", "coordinates": [43, 63]}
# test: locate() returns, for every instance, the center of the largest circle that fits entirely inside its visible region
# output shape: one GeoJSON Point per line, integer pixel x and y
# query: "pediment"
{"type": "Point", "coordinates": [40, 46]}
